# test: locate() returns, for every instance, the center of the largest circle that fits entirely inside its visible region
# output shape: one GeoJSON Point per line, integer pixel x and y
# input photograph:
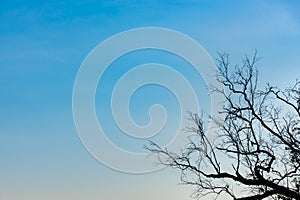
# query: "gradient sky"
{"type": "Point", "coordinates": [42, 47]}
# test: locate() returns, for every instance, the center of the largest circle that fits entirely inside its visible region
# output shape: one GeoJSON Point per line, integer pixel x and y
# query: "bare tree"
{"type": "Point", "coordinates": [256, 154]}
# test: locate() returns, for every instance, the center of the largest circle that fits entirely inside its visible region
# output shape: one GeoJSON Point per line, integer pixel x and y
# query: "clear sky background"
{"type": "Point", "coordinates": [42, 45]}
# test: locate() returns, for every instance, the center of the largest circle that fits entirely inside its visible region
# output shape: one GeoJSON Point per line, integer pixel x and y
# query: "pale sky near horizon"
{"type": "Point", "coordinates": [42, 47]}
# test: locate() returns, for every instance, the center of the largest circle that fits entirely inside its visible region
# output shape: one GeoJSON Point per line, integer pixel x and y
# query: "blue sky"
{"type": "Point", "coordinates": [42, 47]}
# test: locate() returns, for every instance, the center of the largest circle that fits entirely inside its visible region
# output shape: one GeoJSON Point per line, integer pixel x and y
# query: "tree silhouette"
{"type": "Point", "coordinates": [256, 154]}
